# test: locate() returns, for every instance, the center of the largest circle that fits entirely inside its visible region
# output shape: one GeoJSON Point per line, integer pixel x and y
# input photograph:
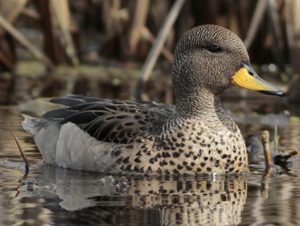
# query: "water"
{"type": "Point", "coordinates": [49, 195]}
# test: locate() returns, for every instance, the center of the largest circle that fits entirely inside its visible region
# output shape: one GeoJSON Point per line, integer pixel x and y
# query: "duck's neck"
{"type": "Point", "coordinates": [201, 104]}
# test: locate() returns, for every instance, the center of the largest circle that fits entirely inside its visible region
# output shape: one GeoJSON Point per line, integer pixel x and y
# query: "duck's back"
{"type": "Point", "coordinates": [111, 120]}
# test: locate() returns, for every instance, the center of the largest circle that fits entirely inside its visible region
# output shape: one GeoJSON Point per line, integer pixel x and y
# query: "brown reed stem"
{"type": "Point", "coordinates": [27, 164]}
{"type": "Point", "coordinates": [265, 138]}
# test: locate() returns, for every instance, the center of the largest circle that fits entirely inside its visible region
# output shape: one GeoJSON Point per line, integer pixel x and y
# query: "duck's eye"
{"type": "Point", "coordinates": [214, 48]}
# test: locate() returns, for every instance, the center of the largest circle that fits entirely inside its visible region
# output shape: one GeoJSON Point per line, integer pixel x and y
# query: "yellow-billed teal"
{"type": "Point", "coordinates": [195, 136]}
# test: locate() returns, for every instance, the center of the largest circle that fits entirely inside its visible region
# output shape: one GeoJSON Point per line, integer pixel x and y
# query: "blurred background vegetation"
{"type": "Point", "coordinates": [97, 47]}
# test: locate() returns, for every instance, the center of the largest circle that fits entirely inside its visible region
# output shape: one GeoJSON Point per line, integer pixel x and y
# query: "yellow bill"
{"type": "Point", "coordinates": [247, 78]}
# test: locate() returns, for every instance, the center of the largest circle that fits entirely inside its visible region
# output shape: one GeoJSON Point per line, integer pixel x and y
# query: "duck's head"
{"type": "Point", "coordinates": [212, 58]}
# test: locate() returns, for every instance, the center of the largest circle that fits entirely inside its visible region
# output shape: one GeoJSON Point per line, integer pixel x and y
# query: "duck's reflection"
{"type": "Point", "coordinates": [165, 200]}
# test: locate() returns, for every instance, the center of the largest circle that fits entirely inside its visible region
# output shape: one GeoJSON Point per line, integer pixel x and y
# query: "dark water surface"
{"type": "Point", "coordinates": [49, 195]}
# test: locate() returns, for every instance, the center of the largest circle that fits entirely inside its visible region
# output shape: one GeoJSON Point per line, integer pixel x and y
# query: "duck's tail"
{"type": "Point", "coordinates": [30, 124]}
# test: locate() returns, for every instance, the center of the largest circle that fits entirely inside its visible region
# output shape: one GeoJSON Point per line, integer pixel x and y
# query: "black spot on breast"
{"type": "Point", "coordinates": [126, 160]}
{"type": "Point", "coordinates": [200, 152]}
{"type": "Point", "coordinates": [163, 163]}
{"type": "Point", "coordinates": [116, 153]}
{"type": "Point", "coordinates": [188, 168]}
{"type": "Point", "coordinates": [128, 168]}
{"type": "Point", "coordinates": [119, 160]}
{"type": "Point", "coordinates": [176, 154]}
{"type": "Point", "coordinates": [166, 155]}
{"type": "Point", "coordinates": [187, 155]}
{"type": "Point", "coordinates": [151, 160]}
{"type": "Point", "coordinates": [180, 134]}
{"type": "Point", "coordinates": [149, 169]}
{"type": "Point", "coordinates": [217, 163]}
{"type": "Point", "coordinates": [167, 172]}
{"type": "Point", "coordinates": [175, 171]}
{"type": "Point", "coordinates": [137, 160]}
{"type": "Point", "coordinates": [171, 163]}
{"type": "Point", "coordinates": [224, 156]}
{"type": "Point", "coordinates": [208, 185]}
{"type": "Point", "coordinates": [179, 167]}
{"type": "Point", "coordinates": [166, 148]}
{"type": "Point", "coordinates": [140, 170]}
{"type": "Point", "coordinates": [223, 197]}
{"type": "Point", "coordinates": [158, 156]}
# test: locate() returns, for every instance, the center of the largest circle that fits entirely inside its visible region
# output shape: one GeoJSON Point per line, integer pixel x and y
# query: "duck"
{"type": "Point", "coordinates": [194, 136]}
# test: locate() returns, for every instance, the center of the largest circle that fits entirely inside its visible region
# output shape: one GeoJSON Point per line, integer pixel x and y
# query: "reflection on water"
{"type": "Point", "coordinates": [56, 196]}
{"type": "Point", "coordinates": [151, 199]}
